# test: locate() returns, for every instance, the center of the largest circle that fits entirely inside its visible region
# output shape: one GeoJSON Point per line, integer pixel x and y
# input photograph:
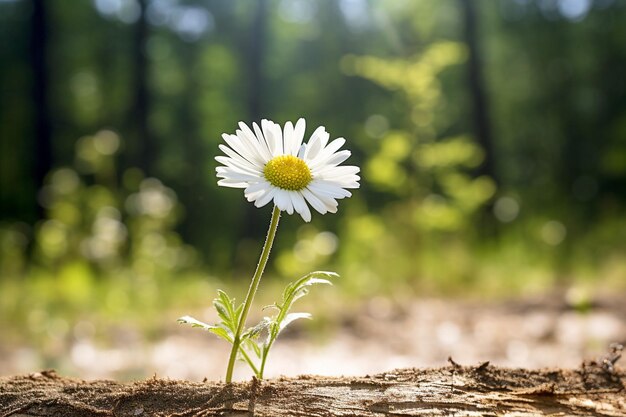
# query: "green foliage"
{"type": "Point", "coordinates": [113, 242]}
{"type": "Point", "coordinates": [256, 341]}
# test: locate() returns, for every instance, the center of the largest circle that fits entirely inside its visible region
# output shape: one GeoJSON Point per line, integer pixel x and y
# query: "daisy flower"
{"type": "Point", "coordinates": [273, 164]}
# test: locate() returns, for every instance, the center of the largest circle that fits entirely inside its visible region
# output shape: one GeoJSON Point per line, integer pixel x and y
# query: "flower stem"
{"type": "Point", "coordinates": [254, 285]}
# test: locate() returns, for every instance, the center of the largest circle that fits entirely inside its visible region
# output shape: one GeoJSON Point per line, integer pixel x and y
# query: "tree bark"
{"type": "Point", "coordinates": [41, 109]}
{"type": "Point", "coordinates": [255, 52]}
{"type": "Point", "coordinates": [455, 390]}
{"type": "Point", "coordinates": [479, 102]}
{"type": "Point", "coordinates": [145, 147]}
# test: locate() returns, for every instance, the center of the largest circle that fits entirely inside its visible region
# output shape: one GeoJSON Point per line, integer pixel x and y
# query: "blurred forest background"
{"type": "Point", "coordinates": [491, 136]}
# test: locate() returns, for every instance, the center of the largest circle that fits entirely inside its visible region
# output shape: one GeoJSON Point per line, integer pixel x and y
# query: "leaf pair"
{"type": "Point", "coordinates": [271, 327]}
{"type": "Point", "coordinates": [229, 315]}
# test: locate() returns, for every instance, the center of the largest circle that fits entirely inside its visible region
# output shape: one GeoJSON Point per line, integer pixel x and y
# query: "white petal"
{"type": "Point", "coordinates": [328, 151]}
{"type": "Point", "coordinates": [337, 158]}
{"type": "Point", "coordinates": [242, 147]}
{"type": "Point", "coordinates": [266, 198]}
{"type": "Point", "coordinates": [300, 205]}
{"type": "Point", "coordinates": [302, 151]}
{"type": "Point", "coordinates": [329, 202]}
{"type": "Point", "coordinates": [274, 137]}
{"type": "Point", "coordinates": [263, 146]}
{"type": "Point", "coordinates": [314, 201]}
{"type": "Point", "coordinates": [278, 132]}
{"type": "Point", "coordinates": [283, 202]}
{"type": "Point", "coordinates": [352, 183]}
{"type": "Point", "coordinates": [230, 162]}
{"type": "Point", "coordinates": [329, 189]}
{"type": "Point", "coordinates": [252, 144]}
{"type": "Point", "coordinates": [231, 183]}
{"type": "Point", "coordinates": [288, 136]}
{"type": "Point", "coordinates": [254, 196]}
{"type": "Point", "coordinates": [252, 191]}
{"type": "Point", "coordinates": [234, 155]}
{"type": "Point", "coordinates": [334, 172]}
{"type": "Point", "coordinates": [298, 136]}
{"type": "Point", "coordinates": [231, 173]}
{"type": "Point", "coordinates": [255, 141]}
{"type": "Point", "coordinates": [318, 140]}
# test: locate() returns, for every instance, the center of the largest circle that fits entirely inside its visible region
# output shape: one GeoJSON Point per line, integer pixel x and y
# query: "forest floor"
{"type": "Point", "coordinates": [374, 337]}
{"type": "Point", "coordinates": [593, 390]}
{"type": "Point", "coordinates": [581, 375]}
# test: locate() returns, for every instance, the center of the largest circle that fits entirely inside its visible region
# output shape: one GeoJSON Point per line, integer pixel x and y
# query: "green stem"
{"type": "Point", "coordinates": [254, 285]}
{"type": "Point", "coordinates": [266, 352]}
{"type": "Point", "coordinates": [283, 309]}
{"type": "Point", "coordinates": [250, 363]}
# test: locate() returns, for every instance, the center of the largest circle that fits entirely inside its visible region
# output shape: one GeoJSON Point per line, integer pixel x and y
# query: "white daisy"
{"type": "Point", "coordinates": [273, 164]}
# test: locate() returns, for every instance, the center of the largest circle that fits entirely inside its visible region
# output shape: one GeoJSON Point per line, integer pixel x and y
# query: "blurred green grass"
{"type": "Point", "coordinates": [540, 208]}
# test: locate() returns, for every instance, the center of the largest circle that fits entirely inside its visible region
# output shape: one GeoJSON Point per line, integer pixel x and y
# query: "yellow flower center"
{"type": "Point", "coordinates": [288, 172]}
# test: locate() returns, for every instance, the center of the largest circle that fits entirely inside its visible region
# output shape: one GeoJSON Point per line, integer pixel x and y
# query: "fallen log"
{"type": "Point", "coordinates": [454, 390]}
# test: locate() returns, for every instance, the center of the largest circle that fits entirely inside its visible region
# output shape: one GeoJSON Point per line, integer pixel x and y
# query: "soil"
{"type": "Point", "coordinates": [370, 338]}
{"type": "Point", "coordinates": [595, 389]}
{"type": "Point", "coordinates": [517, 337]}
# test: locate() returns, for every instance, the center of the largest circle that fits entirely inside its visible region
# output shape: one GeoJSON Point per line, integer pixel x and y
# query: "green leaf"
{"type": "Point", "coordinates": [298, 289]}
{"type": "Point", "coordinates": [225, 307]}
{"type": "Point", "coordinates": [222, 312]}
{"type": "Point", "coordinates": [253, 332]}
{"type": "Point", "coordinates": [252, 345]}
{"type": "Point", "coordinates": [225, 301]}
{"type": "Point", "coordinates": [237, 313]}
{"type": "Point", "coordinates": [291, 317]}
{"type": "Point", "coordinates": [216, 330]}
{"type": "Point", "coordinates": [194, 322]}
{"type": "Point", "coordinates": [223, 333]}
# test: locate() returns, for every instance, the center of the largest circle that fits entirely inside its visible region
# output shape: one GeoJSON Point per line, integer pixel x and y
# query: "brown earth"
{"type": "Point", "coordinates": [378, 335]}
{"type": "Point", "coordinates": [595, 389]}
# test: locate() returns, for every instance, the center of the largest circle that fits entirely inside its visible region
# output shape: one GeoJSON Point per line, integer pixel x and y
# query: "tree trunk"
{"type": "Point", "coordinates": [479, 103]}
{"type": "Point", "coordinates": [41, 109]}
{"type": "Point", "coordinates": [460, 391]}
{"type": "Point", "coordinates": [254, 57]}
{"type": "Point", "coordinates": [145, 148]}
{"type": "Point", "coordinates": [256, 51]}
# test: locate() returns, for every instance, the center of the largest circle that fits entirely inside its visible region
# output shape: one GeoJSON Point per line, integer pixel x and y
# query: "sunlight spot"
{"type": "Point", "coordinates": [303, 251]}
{"type": "Point", "coordinates": [448, 333]}
{"type": "Point", "coordinates": [356, 12]}
{"type": "Point", "coordinates": [106, 142]}
{"type": "Point", "coordinates": [574, 10]}
{"type": "Point", "coordinates": [325, 243]}
{"type": "Point", "coordinates": [506, 209]}
{"type": "Point", "coordinates": [192, 22]}
{"type": "Point", "coordinates": [297, 11]}
{"type": "Point", "coordinates": [127, 11]}
{"type": "Point", "coordinates": [65, 181]}
{"type": "Point", "coordinates": [376, 125]}
{"type": "Point", "coordinates": [553, 232]}
{"type": "Point", "coordinates": [108, 7]}
{"type": "Point", "coordinates": [159, 12]}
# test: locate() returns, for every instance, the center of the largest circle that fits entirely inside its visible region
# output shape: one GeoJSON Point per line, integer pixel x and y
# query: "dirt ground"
{"type": "Point", "coordinates": [484, 390]}
{"type": "Point", "coordinates": [377, 336]}
{"type": "Point", "coordinates": [581, 375]}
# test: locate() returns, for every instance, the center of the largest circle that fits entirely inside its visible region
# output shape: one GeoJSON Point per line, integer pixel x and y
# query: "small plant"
{"type": "Point", "coordinates": [273, 164]}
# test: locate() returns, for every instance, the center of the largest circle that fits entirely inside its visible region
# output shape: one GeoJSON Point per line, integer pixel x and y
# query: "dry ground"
{"type": "Point", "coordinates": [453, 390]}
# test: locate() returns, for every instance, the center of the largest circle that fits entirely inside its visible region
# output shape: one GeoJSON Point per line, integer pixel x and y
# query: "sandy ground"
{"type": "Point", "coordinates": [378, 337]}
{"type": "Point", "coordinates": [483, 390]}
